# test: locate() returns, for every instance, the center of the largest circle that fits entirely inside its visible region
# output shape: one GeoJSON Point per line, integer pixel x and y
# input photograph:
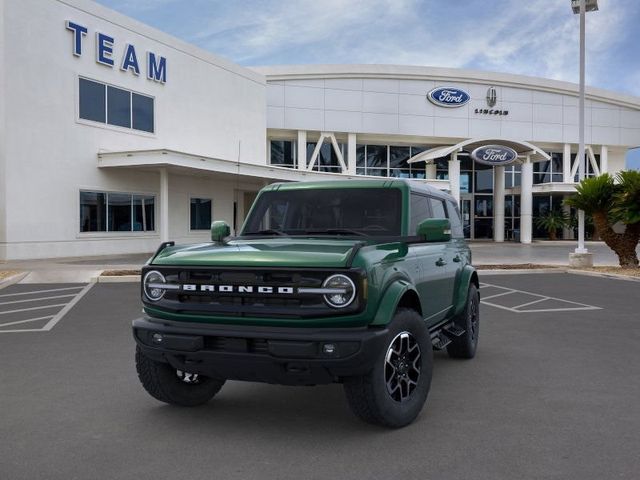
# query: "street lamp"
{"type": "Point", "coordinates": [580, 7]}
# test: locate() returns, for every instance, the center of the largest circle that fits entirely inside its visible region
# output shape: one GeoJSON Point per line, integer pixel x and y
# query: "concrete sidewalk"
{"type": "Point", "coordinates": [83, 269]}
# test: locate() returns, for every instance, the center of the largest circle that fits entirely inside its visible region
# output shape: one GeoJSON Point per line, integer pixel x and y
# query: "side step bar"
{"type": "Point", "coordinates": [443, 336]}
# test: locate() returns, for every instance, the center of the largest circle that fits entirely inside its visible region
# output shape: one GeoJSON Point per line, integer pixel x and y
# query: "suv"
{"type": "Point", "coordinates": [352, 282]}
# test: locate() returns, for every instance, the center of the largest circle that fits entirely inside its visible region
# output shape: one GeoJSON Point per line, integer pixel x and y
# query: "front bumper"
{"type": "Point", "coordinates": [288, 356]}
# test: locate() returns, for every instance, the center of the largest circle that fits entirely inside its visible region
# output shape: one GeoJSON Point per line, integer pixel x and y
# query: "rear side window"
{"type": "Point", "coordinates": [419, 211]}
{"type": "Point", "coordinates": [454, 218]}
{"type": "Point", "coordinates": [438, 209]}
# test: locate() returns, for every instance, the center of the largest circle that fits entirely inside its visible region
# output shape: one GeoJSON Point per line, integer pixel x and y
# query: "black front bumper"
{"type": "Point", "coordinates": [288, 356]}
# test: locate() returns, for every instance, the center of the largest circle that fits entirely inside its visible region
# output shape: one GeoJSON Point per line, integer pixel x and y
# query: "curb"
{"type": "Point", "coordinates": [613, 276]}
{"type": "Point", "coordinates": [13, 279]}
{"type": "Point", "coordinates": [520, 271]}
{"type": "Point", "coordinates": [117, 279]}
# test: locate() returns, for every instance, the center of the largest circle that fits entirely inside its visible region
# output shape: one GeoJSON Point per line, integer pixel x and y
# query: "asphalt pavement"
{"type": "Point", "coordinates": [552, 394]}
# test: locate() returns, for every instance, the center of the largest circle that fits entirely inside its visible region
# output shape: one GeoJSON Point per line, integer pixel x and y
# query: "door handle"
{"type": "Point", "coordinates": [441, 262]}
{"type": "Point", "coordinates": [457, 259]}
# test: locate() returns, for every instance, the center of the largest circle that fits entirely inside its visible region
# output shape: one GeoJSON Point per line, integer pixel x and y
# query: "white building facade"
{"type": "Point", "coordinates": [115, 136]}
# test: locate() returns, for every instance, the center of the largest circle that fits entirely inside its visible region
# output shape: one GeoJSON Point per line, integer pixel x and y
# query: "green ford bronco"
{"type": "Point", "coordinates": [352, 282]}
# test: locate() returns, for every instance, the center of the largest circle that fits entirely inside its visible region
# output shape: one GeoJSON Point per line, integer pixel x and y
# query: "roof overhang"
{"type": "Point", "coordinates": [524, 149]}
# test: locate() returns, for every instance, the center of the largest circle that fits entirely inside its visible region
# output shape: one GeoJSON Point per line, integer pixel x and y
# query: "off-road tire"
{"type": "Point", "coordinates": [162, 383]}
{"type": "Point", "coordinates": [465, 345]}
{"type": "Point", "coordinates": [368, 395]}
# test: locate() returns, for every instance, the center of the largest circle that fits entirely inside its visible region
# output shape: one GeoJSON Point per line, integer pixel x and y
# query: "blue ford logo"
{"type": "Point", "coordinates": [448, 96]}
{"type": "Point", "coordinates": [494, 155]}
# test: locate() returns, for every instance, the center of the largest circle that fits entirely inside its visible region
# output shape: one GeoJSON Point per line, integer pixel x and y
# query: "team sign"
{"type": "Point", "coordinates": [156, 64]}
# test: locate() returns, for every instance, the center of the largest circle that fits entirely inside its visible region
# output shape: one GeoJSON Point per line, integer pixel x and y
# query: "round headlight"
{"type": "Point", "coordinates": [153, 285]}
{"type": "Point", "coordinates": [344, 291]}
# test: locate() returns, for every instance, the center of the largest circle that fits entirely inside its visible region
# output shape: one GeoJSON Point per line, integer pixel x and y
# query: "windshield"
{"type": "Point", "coordinates": [335, 211]}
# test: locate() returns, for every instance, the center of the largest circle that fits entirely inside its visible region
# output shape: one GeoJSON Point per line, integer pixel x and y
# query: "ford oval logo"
{"type": "Point", "coordinates": [494, 155]}
{"type": "Point", "coordinates": [448, 97]}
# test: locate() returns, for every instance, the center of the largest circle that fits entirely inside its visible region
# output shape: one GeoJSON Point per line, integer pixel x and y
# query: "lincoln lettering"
{"type": "Point", "coordinates": [190, 287]}
{"type": "Point", "coordinates": [129, 59]}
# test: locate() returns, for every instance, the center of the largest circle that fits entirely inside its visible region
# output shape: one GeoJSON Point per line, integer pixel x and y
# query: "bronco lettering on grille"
{"type": "Point", "coordinates": [191, 287]}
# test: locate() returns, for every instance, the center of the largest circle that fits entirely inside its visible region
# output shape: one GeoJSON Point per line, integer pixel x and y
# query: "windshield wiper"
{"type": "Point", "coordinates": [338, 231]}
{"type": "Point", "coordinates": [268, 231]}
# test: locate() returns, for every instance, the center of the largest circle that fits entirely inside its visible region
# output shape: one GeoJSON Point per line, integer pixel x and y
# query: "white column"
{"type": "Point", "coordinates": [566, 164]}
{"type": "Point", "coordinates": [302, 150]}
{"type": "Point", "coordinates": [164, 205]}
{"type": "Point", "coordinates": [454, 177]}
{"type": "Point", "coordinates": [431, 171]}
{"type": "Point", "coordinates": [498, 204]}
{"type": "Point", "coordinates": [604, 159]}
{"type": "Point", "coordinates": [567, 231]}
{"type": "Point", "coordinates": [526, 202]}
{"type": "Point", "coordinates": [351, 153]}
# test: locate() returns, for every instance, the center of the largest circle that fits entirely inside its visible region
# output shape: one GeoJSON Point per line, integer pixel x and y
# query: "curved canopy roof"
{"type": "Point", "coordinates": [522, 148]}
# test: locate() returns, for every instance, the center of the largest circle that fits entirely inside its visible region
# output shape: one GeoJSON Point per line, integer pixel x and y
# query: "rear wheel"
{"type": "Point", "coordinates": [393, 392]}
{"type": "Point", "coordinates": [465, 345]}
{"type": "Point", "coordinates": [165, 383]}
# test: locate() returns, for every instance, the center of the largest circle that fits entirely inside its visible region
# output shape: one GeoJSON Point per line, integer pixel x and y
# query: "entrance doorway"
{"type": "Point", "coordinates": [477, 216]}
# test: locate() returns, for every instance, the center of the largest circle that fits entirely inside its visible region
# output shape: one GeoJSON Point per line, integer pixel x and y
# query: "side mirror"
{"type": "Point", "coordinates": [435, 230]}
{"type": "Point", "coordinates": [219, 231]}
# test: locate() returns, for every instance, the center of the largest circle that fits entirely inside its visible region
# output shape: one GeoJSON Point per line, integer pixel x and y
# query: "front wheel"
{"type": "Point", "coordinates": [465, 345]}
{"type": "Point", "coordinates": [165, 383]}
{"type": "Point", "coordinates": [393, 392]}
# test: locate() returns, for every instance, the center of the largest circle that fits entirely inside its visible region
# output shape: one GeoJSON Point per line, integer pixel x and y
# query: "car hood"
{"type": "Point", "coordinates": [271, 252]}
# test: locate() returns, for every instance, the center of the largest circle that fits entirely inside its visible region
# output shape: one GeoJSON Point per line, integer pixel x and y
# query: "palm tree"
{"type": "Point", "coordinates": [609, 202]}
{"type": "Point", "coordinates": [552, 221]}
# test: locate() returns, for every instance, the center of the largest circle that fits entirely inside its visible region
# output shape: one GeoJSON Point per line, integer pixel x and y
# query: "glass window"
{"type": "Point", "coordinates": [115, 106]}
{"type": "Point", "coordinates": [93, 212]}
{"type": "Point", "coordinates": [419, 211]}
{"type": "Point", "coordinates": [483, 205]}
{"type": "Point", "coordinates": [370, 211]}
{"type": "Point", "coordinates": [438, 208]}
{"type": "Point", "coordinates": [201, 213]}
{"type": "Point", "coordinates": [144, 213]}
{"type": "Point", "coordinates": [327, 160]}
{"type": "Point", "coordinates": [283, 153]}
{"type": "Point", "coordinates": [360, 157]}
{"type": "Point", "coordinates": [465, 182]}
{"type": "Point", "coordinates": [398, 166]}
{"type": "Point", "coordinates": [118, 107]}
{"type": "Point", "coordinates": [92, 101]}
{"type": "Point", "coordinates": [377, 160]}
{"type": "Point", "coordinates": [142, 112]}
{"type": "Point", "coordinates": [454, 218]}
{"type": "Point", "coordinates": [483, 178]}
{"type": "Point", "coordinates": [119, 212]}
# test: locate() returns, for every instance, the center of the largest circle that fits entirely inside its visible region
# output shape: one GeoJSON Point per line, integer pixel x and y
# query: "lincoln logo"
{"type": "Point", "coordinates": [237, 289]}
{"type": "Point", "coordinates": [494, 155]}
{"type": "Point", "coordinates": [448, 97]}
{"type": "Point", "coordinates": [492, 97]}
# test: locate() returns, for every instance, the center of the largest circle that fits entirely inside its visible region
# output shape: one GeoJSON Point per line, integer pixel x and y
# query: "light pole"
{"type": "Point", "coordinates": [581, 7]}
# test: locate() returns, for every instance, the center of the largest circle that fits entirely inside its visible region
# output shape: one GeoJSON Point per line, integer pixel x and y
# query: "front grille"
{"type": "Point", "coordinates": [249, 303]}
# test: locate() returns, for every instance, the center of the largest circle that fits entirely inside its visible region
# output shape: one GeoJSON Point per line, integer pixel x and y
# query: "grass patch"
{"type": "Point", "coordinates": [119, 273]}
{"type": "Point", "coordinates": [515, 266]}
{"type": "Point", "coordinates": [629, 272]}
{"type": "Point", "coordinates": [8, 273]}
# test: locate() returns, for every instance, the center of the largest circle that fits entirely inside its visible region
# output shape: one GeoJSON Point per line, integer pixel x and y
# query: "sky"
{"type": "Point", "coordinates": [528, 37]}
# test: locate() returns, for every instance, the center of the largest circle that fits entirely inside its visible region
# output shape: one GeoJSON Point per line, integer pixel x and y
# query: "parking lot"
{"type": "Point", "coordinates": [552, 393]}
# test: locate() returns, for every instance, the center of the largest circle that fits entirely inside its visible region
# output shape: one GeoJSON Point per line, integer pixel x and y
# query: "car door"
{"type": "Point", "coordinates": [431, 275]}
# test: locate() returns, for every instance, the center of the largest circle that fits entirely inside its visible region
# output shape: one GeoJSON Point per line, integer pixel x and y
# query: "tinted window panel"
{"type": "Point", "coordinates": [283, 153]}
{"type": "Point", "coordinates": [93, 212]}
{"type": "Point", "coordinates": [454, 218]}
{"type": "Point", "coordinates": [118, 107]}
{"type": "Point", "coordinates": [142, 113]}
{"type": "Point", "coordinates": [438, 209]}
{"type": "Point", "coordinates": [143, 213]}
{"type": "Point", "coordinates": [92, 101]}
{"type": "Point", "coordinates": [419, 211]}
{"type": "Point", "coordinates": [200, 214]}
{"type": "Point", "coordinates": [119, 210]}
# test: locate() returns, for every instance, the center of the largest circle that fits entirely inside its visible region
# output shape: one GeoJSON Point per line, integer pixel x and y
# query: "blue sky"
{"type": "Point", "coordinates": [530, 37]}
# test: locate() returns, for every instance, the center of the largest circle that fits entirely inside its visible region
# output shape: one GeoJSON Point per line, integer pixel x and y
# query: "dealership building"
{"type": "Point", "coordinates": [115, 136]}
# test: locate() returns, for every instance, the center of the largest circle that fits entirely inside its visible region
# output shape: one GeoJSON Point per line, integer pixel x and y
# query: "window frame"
{"type": "Point", "coordinates": [116, 233]}
{"type": "Point", "coordinates": [200, 230]}
{"type": "Point", "coordinates": [105, 124]}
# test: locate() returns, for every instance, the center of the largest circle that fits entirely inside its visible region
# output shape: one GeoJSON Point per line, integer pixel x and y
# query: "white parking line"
{"type": "Point", "coordinates": [53, 319]}
{"type": "Point", "coordinates": [38, 299]}
{"type": "Point", "coordinates": [41, 291]}
{"type": "Point", "coordinates": [540, 298]}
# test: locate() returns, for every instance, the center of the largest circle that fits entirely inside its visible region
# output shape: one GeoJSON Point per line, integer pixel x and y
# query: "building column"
{"type": "Point", "coordinates": [352, 153]}
{"type": "Point", "coordinates": [526, 202]}
{"type": "Point", "coordinates": [566, 164]}
{"type": "Point", "coordinates": [498, 203]}
{"type": "Point", "coordinates": [567, 231]}
{"type": "Point", "coordinates": [454, 177]}
{"type": "Point", "coordinates": [302, 150]}
{"type": "Point", "coordinates": [164, 205]}
{"type": "Point", "coordinates": [604, 159]}
{"type": "Point", "coordinates": [431, 171]}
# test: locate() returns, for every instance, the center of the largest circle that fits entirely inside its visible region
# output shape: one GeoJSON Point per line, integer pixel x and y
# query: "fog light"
{"type": "Point", "coordinates": [157, 338]}
{"type": "Point", "coordinates": [329, 348]}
